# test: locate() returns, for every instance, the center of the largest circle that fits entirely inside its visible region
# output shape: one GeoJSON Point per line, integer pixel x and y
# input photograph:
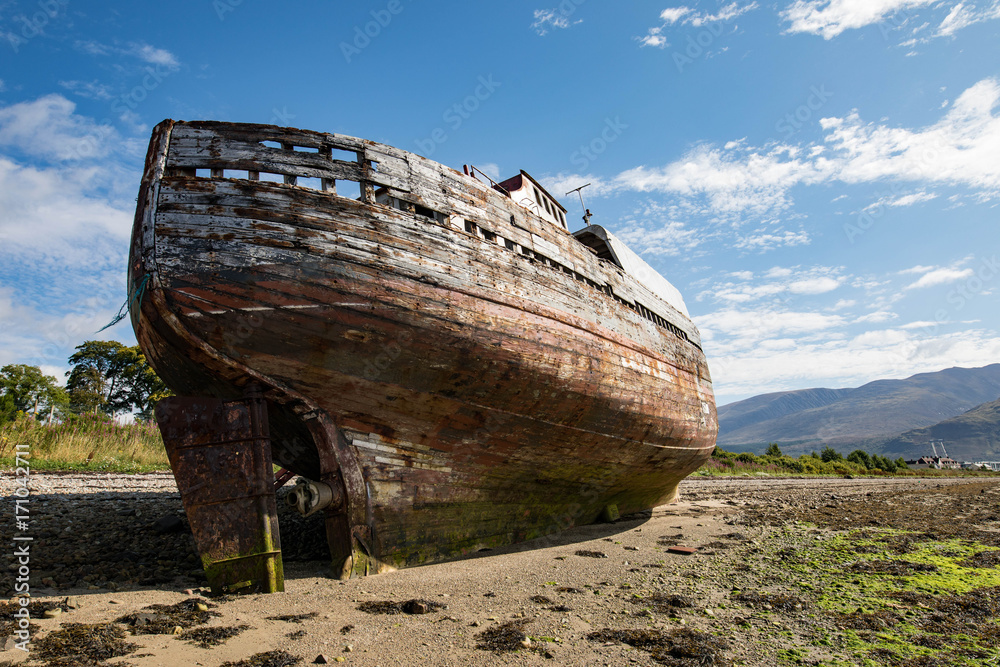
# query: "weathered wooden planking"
{"type": "Point", "coordinates": [500, 416]}
{"type": "Point", "coordinates": [607, 274]}
{"type": "Point", "coordinates": [416, 261]}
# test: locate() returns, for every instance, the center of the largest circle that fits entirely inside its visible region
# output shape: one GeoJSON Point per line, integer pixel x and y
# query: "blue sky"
{"type": "Point", "coordinates": [820, 178]}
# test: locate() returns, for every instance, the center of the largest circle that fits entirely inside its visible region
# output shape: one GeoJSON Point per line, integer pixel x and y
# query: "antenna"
{"type": "Point", "coordinates": [586, 211]}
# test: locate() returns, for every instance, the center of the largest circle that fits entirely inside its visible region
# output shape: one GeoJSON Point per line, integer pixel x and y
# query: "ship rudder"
{"type": "Point", "coordinates": [349, 530]}
{"type": "Point", "coordinates": [220, 455]}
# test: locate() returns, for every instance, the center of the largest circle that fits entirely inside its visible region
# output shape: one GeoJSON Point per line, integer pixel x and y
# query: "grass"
{"type": "Point", "coordinates": [84, 443]}
{"type": "Point", "coordinates": [725, 463]}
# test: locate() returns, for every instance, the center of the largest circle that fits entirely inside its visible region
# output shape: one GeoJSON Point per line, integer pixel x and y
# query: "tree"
{"type": "Point", "coordinates": [773, 450]}
{"type": "Point", "coordinates": [883, 463]}
{"type": "Point", "coordinates": [861, 457]}
{"type": "Point", "coordinates": [830, 454]}
{"type": "Point", "coordinates": [26, 389]}
{"type": "Point", "coordinates": [8, 411]}
{"type": "Point", "coordinates": [112, 378]}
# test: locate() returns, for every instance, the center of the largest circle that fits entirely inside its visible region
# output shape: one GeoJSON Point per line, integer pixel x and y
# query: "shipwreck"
{"type": "Point", "coordinates": [445, 366]}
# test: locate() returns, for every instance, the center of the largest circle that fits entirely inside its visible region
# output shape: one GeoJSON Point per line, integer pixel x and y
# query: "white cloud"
{"type": "Point", "coordinates": [846, 362]}
{"type": "Point", "coordinates": [830, 18]}
{"type": "Point", "coordinates": [902, 200]}
{"type": "Point", "coordinates": [755, 325]}
{"type": "Point", "coordinates": [670, 238]}
{"type": "Point", "coordinates": [686, 16]}
{"type": "Point", "coordinates": [58, 212]}
{"type": "Point", "coordinates": [941, 277]}
{"type": "Point", "coordinates": [139, 50]}
{"type": "Point", "coordinates": [878, 317]}
{"type": "Point", "coordinates": [730, 180]}
{"type": "Point", "coordinates": [778, 281]}
{"type": "Point", "coordinates": [64, 226]}
{"type": "Point", "coordinates": [48, 128]}
{"type": "Point", "coordinates": [88, 89]}
{"type": "Point", "coordinates": [491, 169]}
{"type": "Point", "coordinates": [726, 13]}
{"type": "Point", "coordinates": [958, 150]}
{"type": "Point", "coordinates": [674, 14]}
{"type": "Point", "coordinates": [962, 16]}
{"type": "Point", "coordinates": [762, 242]}
{"type": "Point", "coordinates": [30, 336]}
{"type": "Point", "coordinates": [654, 39]}
{"type": "Point", "coordinates": [563, 182]}
{"type": "Point", "coordinates": [547, 19]}
{"type": "Point", "coordinates": [911, 199]}
{"type": "Point", "coordinates": [155, 56]}
{"type": "Point", "coordinates": [917, 269]}
{"type": "Point", "coordinates": [817, 285]}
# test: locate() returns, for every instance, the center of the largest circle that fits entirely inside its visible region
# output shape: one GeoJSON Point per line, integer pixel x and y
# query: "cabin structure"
{"type": "Point", "coordinates": [530, 194]}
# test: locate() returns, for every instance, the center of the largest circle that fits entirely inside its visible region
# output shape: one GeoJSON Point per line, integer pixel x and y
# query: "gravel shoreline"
{"type": "Point", "coordinates": [97, 531]}
{"type": "Point", "coordinates": [95, 541]}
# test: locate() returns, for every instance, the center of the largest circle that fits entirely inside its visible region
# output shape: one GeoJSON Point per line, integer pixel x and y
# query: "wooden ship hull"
{"type": "Point", "coordinates": [458, 369]}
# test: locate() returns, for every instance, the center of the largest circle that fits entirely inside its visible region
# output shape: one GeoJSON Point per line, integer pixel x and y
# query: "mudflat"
{"type": "Point", "coordinates": [744, 571]}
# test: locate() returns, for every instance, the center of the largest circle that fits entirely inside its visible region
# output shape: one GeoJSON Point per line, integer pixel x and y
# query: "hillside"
{"type": "Point", "coordinates": [973, 436]}
{"type": "Point", "coordinates": [761, 408]}
{"type": "Point", "coordinates": [847, 418]}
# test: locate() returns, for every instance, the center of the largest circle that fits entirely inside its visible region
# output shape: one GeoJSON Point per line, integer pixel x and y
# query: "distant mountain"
{"type": "Point", "coordinates": [762, 408]}
{"type": "Point", "coordinates": [973, 436]}
{"type": "Point", "coordinates": [811, 419]}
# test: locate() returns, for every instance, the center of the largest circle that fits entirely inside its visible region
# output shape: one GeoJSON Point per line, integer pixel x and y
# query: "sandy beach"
{"type": "Point", "coordinates": [548, 600]}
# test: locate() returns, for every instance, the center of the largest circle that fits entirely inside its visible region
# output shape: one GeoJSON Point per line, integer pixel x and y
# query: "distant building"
{"type": "Point", "coordinates": [936, 462]}
{"type": "Point", "coordinates": [922, 463]}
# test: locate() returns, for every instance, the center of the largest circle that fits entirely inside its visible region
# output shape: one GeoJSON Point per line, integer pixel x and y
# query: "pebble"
{"type": "Point", "coordinates": [52, 613]}
{"type": "Point", "coordinates": [321, 660]}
